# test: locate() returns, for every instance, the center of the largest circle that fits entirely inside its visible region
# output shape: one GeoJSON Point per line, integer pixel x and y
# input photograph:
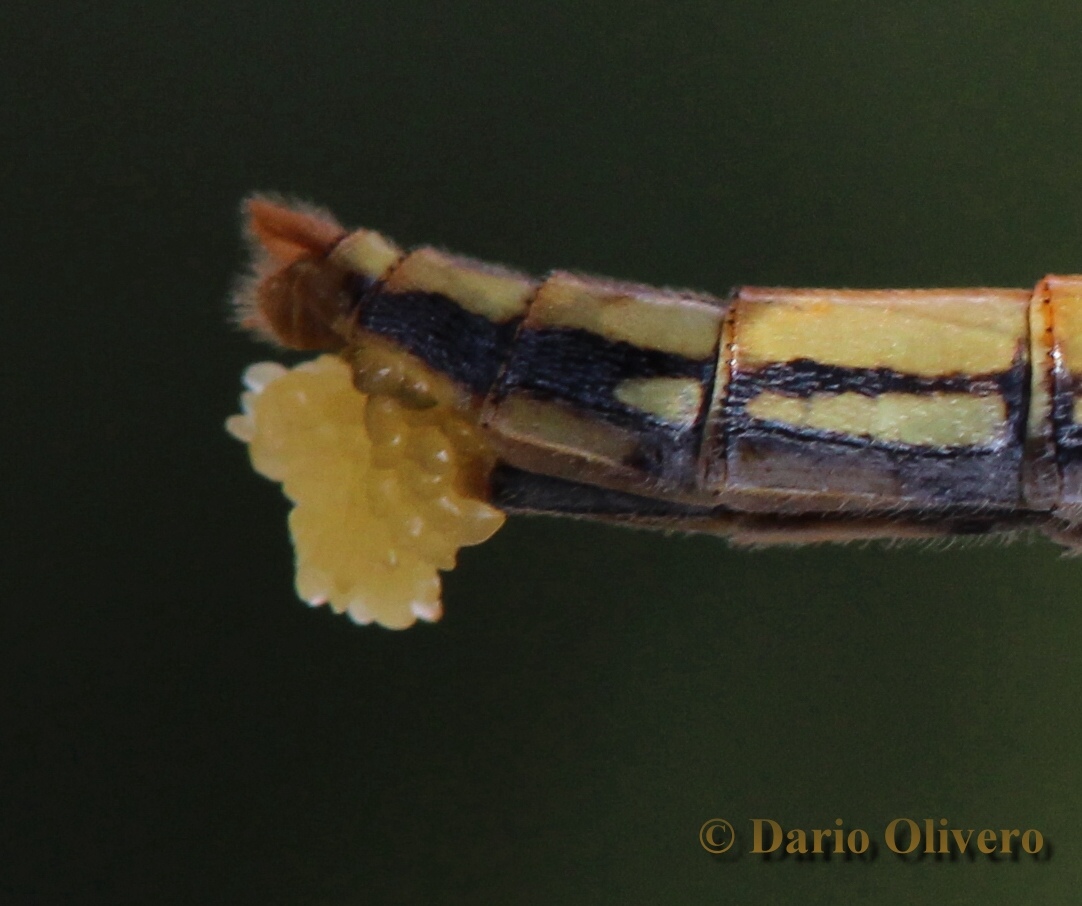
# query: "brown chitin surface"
{"type": "Point", "coordinates": [1064, 312]}
{"type": "Point", "coordinates": [292, 295]}
{"type": "Point", "coordinates": [1040, 470]}
{"type": "Point", "coordinates": [857, 401]}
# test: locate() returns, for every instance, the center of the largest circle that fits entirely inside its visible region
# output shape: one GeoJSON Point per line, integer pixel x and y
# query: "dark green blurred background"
{"type": "Point", "coordinates": [177, 728]}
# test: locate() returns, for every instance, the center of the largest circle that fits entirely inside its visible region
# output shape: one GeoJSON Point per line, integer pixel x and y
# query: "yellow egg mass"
{"type": "Point", "coordinates": [383, 494]}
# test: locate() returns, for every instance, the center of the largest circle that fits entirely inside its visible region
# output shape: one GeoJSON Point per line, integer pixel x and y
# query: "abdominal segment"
{"type": "Point", "coordinates": [768, 415]}
{"type": "Point", "coordinates": [771, 414]}
{"type": "Point", "coordinates": [857, 402]}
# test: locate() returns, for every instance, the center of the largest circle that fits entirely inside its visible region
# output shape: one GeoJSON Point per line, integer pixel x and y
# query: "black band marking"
{"type": "Point", "coordinates": [802, 378]}
{"type": "Point", "coordinates": [925, 476]}
{"type": "Point", "coordinates": [584, 369]}
{"type": "Point", "coordinates": [468, 348]}
{"type": "Point", "coordinates": [517, 490]}
{"type": "Point", "coordinates": [959, 520]}
{"type": "Point", "coordinates": [741, 426]}
{"type": "Point", "coordinates": [1067, 434]}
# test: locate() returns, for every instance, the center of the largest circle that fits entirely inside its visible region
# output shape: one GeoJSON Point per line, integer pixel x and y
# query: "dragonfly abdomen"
{"type": "Point", "coordinates": [771, 412]}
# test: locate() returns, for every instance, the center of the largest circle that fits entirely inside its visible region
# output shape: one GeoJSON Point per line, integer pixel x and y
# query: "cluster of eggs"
{"type": "Point", "coordinates": [383, 492]}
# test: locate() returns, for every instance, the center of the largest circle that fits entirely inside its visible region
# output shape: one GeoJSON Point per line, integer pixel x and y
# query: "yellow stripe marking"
{"type": "Point", "coordinates": [493, 292]}
{"type": "Point", "coordinates": [1067, 318]}
{"type": "Point", "coordinates": [921, 332]}
{"type": "Point", "coordinates": [366, 252]}
{"type": "Point", "coordinates": [645, 317]}
{"type": "Point", "coordinates": [559, 429]}
{"type": "Point", "coordinates": [1040, 473]}
{"type": "Point", "coordinates": [672, 399]}
{"type": "Point", "coordinates": [935, 419]}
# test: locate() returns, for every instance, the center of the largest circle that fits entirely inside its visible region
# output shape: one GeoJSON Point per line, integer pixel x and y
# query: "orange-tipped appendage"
{"type": "Point", "coordinates": [294, 294]}
{"type": "Point", "coordinates": [291, 233]}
